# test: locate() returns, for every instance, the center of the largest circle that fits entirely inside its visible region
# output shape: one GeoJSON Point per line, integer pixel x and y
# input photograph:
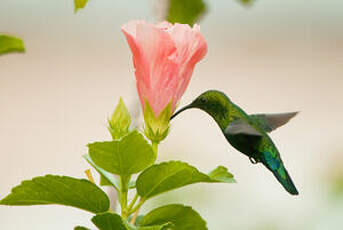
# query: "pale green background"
{"type": "Point", "coordinates": [275, 56]}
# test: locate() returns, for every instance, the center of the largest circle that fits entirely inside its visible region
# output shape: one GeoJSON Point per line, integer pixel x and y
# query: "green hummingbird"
{"type": "Point", "coordinates": [247, 133]}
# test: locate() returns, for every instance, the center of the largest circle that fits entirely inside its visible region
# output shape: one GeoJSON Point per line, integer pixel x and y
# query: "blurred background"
{"type": "Point", "coordinates": [271, 56]}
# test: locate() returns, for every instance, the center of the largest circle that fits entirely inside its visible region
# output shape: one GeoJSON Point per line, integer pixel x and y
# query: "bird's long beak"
{"type": "Point", "coordinates": [182, 109]}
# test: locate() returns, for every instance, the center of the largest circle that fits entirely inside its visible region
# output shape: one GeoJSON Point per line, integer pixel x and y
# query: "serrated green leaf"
{"type": "Point", "coordinates": [181, 217]}
{"type": "Point", "coordinates": [79, 4]}
{"type": "Point", "coordinates": [155, 227]}
{"type": "Point", "coordinates": [104, 181]}
{"type": "Point", "coordinates": [185, 11]}
{"type": "Point", "coordinates": [109, 221]}
{"type": "Point", "coordinates": [170, 175]}
{"type": "Point", "coordinates": [81, 228]}
{"type": "Point", "coordinates": [120, 121]}
{"type": "Point", "coordinates": [124, 157]}
{"type": "Point", "coordinates": [165, 226]}
{"type": "Point", "coordinates": [112, 221]}
{"type": "Point", "coordinates": [63, 190]}
{"type": "Point", "coordinates": [220, 174]}
{"type": "Point", "coordinates": [10, 44]}
{"type": "Point", "coordinates": [106, 177]}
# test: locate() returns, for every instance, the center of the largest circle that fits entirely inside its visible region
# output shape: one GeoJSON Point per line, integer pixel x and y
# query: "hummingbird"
{"type": "Point", "coordinates": [247, 133]}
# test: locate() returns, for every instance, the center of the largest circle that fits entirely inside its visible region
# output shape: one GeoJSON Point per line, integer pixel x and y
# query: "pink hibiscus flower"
{"type": "Point", "coordinates": [164, 56]}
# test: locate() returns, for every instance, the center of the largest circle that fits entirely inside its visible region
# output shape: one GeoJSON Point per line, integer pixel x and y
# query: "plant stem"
{"type": "Point", "coordinates": [132, 203]}
{"type": "Point", "coordinates": [155, 147]}
{"type": "Point", "coordinates": [133, 220]}
{"type": "Point", "coordinates": [135, 210]}
{"type": "Point", "coordinates": [123, 190]}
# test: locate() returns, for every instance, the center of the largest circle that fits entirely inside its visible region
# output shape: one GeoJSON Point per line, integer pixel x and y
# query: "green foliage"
{"type": "Point", "coordinates": [106, 178]}
{"type": "Point", "coordinates": [10, 44]}
{"type": "Point", "coordinates": [190, 11]}
{"type": "Point", "coordinates": [181, 217]}
{"type": "Point", "coordinates": [336, 186]}
{"type": "Point", "coordinates": [124, 157]}
{"type": "Point", "coordinates": [112, 221]}
{"type": "Point", "coordinates": [185, 11]}
{"type": "Point", "coordinates": [63, 190]}
{"type": "Point", "coordinates": [81, 228]}
{"type": "Point", "coordinates": [137, 221]}
{"type": "Point", "coordinates": [170, 175]}
{"type": "Point", "coordinates": [120, 121]}
{"type": "Point", "coordinates": [79, 4]}
{"type": "Point", "coordinates": [166, 226]}
{"type": "Point", "coordinates": [105, 182]}
{"type": "Point", "coordinates": [109, 221]}
{"type": "Point", "coordinates": [220, 174]}
{"type": "Point", "coordinates": [247, 2]}
{"type": "Point", "coordinates": [128, 153]}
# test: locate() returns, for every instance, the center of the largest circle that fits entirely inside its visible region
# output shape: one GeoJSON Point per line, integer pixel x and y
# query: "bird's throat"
{"type": "Point", "coordinates": [221, 116]}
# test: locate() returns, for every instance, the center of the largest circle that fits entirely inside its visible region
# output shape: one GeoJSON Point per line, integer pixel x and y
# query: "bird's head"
{"type": "Point", "coordinates": [211, 101]}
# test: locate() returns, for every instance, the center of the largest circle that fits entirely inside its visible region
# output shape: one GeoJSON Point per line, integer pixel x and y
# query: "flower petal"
{"type": "Point", "coordinates": [164, 57]}
{"type": "Point", "coordinates": [191, 48]}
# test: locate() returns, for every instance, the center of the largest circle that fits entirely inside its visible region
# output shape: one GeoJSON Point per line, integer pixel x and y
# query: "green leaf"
{"type": "Point", "coordinates": [81, 228]}
{"type": "Point", "coordinates": [156, 227]}
{"type": "Point", "coordinates": [185, 11]}
{"type": "Point", "coordinates": [132, 184]}
{"type": "Point", "coordinates": [63, 190]}
{"type": "Point", "coordinates": [120, 121]}
{"type": "Point", "coordinates": [124, 157]}
{"type": "Point", "coordinates": [220, 174]}
{"type": "Point", "coordinates": [109, 221]}
{"type": "Point", "coordinates": [105, 182]}
{"type": "Point", "coordinates": [79, 4]}
{"type": "Point", "coordinates": [247, 2]}
{"type": "Point", "coordinates": [112, 221]}
{"type": "Point", "coordinates": [10, 44]}
{"type": "Point", "coordinates": [336, 185]}
{"type": "Point", "coordinates": [137, 221]}
{"type": "Point", "coordinates": [106, 178]}
{"type": "Point", "coordinates": [181, 217]}
{"type": "Point", "coordinates": [170, 175]}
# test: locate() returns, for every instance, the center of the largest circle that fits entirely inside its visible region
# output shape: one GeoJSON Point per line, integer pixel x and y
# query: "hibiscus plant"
{"type": "Point", "coordinates": [164, 56]}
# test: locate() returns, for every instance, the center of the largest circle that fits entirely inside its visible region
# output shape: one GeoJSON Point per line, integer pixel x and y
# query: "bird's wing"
{"type": "Point", "coordinates": [270, 122]}
{"type": "Point", "coordinates": [240, 126]}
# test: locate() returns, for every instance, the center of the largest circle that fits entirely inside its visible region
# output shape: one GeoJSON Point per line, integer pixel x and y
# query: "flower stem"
{"type": "Point", "coordinates": [155, 147]}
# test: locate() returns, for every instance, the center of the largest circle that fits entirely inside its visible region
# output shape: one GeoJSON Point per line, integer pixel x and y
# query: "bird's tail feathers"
{"type": "Point", "coordinates": [283, 177]}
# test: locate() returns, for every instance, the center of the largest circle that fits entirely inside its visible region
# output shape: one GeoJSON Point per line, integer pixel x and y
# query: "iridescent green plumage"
{"type": "Point", "coordinates": [247, 133]}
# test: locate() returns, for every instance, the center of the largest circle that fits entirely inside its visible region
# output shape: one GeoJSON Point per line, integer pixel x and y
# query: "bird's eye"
{"type": "Point", "coordinates": [203, 100]}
